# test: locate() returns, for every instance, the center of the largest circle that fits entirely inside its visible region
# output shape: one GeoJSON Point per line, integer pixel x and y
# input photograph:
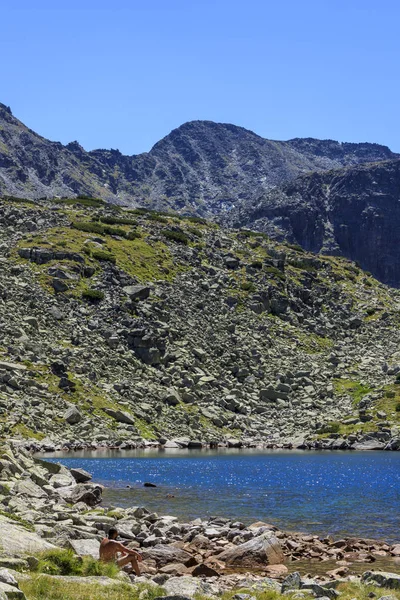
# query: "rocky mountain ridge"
{"type": "Point", "coordinates": [127, 327]}
{"type": "Point", "coordinates": [202, 167]}
{"type": "Point", "coordinates": [352, 212]}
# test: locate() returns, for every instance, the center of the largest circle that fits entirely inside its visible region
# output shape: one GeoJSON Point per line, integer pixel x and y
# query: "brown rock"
{"type": "Point", "coordinates": [276, 571]}
{"type": "Point", "coordinates": [260, 551]}
{"type": "Point", "coordinates": [174, 569]}
{"type": "Point", "coordinates": [395, 550]}
{"type": "Point", "coordinates": [163, 555]}
{"type": "Point", "coordinates": [337, 573]}
{"type": "Point", "coordinates": [203, 570]}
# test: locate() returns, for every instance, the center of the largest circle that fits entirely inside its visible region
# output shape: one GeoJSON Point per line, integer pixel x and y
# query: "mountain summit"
{"type": "Point", "coordinates": [330, 197]}
{"type": "Point", "coordinates": [201, 167]}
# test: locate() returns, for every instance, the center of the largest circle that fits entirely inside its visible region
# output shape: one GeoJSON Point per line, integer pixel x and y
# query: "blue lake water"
{"type": "Point", "coordinates": [343, 493]}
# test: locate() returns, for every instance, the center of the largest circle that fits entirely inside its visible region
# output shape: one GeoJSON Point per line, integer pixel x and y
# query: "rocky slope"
{"type": "Point", "coordinates": [122, 328]}
{"type": "Point", "coordinates": [202, 167]}
{"type": "Point", "coordinates": [353, 212]}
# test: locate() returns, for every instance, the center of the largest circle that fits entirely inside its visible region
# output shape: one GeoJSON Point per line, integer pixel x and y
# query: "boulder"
{"type": "Point", "coordinates": [72, 415]}
{"type": "Point", "coordinates": [137, 292]}
{"type": "Point", "coordinates": [164, 554]}
{"type": "Point", "coordinates": [291, 582]}
{"type": "Point", "coordinates": [187, 587]}
{"type": "Point", "coordinates": [258, 552]}
{"type": "Point", "coordinates": [27, 487]}
{"type": "Point", "coordinates": [120, 416]}
{"type": "Point", "coordinates": [17, 541]}
{"type": "Point", "coordinates": [88, 493]}
{"type": "Point", "coordinates": [381, 578]}
{"type": "Point", "coordinates": [9, 592]}
{"type": "Point", "coordinates": [80, 475]}
{"type": "Point", "coordinates": [85, 547]}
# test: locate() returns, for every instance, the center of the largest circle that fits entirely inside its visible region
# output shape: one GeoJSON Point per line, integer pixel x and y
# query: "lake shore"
{"type": "Point", "coordinates": [48, 506]}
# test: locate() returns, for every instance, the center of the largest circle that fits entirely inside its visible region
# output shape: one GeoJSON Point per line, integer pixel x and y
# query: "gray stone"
{"type": "Point", "coordinates": [291, 582]}
{"type": "Point", "coordinates": [137, 292]}
{"type": "Point", "coordinates": [120, 416]}
{"type": "Point", "coordinates": [381, 578]}
{"type": "Point", "coordinates": [260, 551]}
{"type": "Point", "coordinates": [72, 415]}
{"type": "Point", "coordinates": [85, 547]}
{"type": "Point", "coordinates": [80, 475]}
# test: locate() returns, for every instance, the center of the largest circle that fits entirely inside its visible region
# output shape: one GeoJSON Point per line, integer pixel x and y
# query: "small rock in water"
{"type": "Point", "coordinates": [148, 484]}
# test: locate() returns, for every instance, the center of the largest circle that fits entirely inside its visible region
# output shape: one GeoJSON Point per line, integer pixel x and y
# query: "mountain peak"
{"type": "Point", "coordinates": [5, 108]}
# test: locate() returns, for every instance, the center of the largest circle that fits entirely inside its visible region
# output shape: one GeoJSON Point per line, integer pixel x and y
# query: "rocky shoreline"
{"type": "Point", "coordinates": [330, 444]}
{"type": "Point", "coordinates": [46, 506]}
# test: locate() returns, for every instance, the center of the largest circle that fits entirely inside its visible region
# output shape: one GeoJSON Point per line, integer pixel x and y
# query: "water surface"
{"type": "Point", "coordinates": [339, 493]}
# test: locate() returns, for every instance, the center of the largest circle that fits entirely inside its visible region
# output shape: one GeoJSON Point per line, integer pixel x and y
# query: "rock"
{"type": "Point", "coordinates": [369, 445]}
{"type": "Point", "coordinates": [61, 480]}
{"type": "Point", "coordinates": [137, 292]}
{"type": "Point", "coordinates": [276, 571]}
{"type": "Point", "coordinates": [20, 541]}
{"type": "Point", "coordinates": [80, 475]}
{"type": "Point", "coordinates": [165, 554]}
{"type": "Point", "coordinates": [7, 577]}
{"type": "Point", "coordinates": [85, 547]}
{"type": "Point", "coordinates": [383, 579]}
{"type": "Point", "coordinates": [9, 592]}
{"type": "Point", "coordinates": [175, 597]}
{"type": "Point", "coordinates": [72, 415]}
{"type": "Point", "coordinates": [59, 285]}
{"type": "Point", "coordinates": [319, 591]}
{"type": "Point", "coordinates": [148, 484]}
{"type": "Point", "coordinates": [88, 493]}
{"type": "Point", "coordinates": [259, 552]}
{"type": "Point", "coordinates": [291, 582]}
{"type": "Point", "coordinates": [203, 570]}
{"type": "Point", "coordinates": [172, 397]}
{"type": "Point", "coordinates": [28, 488]}
{"type": "Point", "coordinates": [120, 416]}
{"type": "Point", "coordinates": [187, 587]}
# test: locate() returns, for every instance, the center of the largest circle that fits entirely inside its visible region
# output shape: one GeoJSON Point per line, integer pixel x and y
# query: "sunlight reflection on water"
{"type": "Point", "coordinates": [344, 493]}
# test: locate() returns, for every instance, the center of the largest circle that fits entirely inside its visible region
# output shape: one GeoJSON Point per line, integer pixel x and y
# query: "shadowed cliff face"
{"type": "Point", "coordinates": [353, 212]}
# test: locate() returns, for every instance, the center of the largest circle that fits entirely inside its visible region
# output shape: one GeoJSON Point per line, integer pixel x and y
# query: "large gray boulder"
{"type": "Point", "coordinates": [262, 550]}
{"type": "Point", "coordinates": [137, 292]}
{"type": "Point", "coordinates": [88, 547]}
{"type": "Point", "coordinates": [88, 493]}
{"type": "Point", "coordinates": [17, 541]}
{"type": "Point", "coordinates": [381, 578]}
{"type": "Point", "coordinates": [188, 587]}
{"type": "Point", "coordinates": [72, 415]}
{"type": "Point", "coordinates": [120, 416]}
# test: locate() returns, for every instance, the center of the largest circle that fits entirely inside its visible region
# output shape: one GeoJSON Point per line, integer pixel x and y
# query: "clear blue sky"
{"type": "Point", "coordinates": [123, 73]}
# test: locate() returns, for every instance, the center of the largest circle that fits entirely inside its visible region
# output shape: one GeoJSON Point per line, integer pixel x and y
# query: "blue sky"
{"type": "Point", "coordinates": [122, 74]}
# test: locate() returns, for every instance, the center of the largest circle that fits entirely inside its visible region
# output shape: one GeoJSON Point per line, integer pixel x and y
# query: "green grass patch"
{"type": "Point", "coordinates": [92, 295]}
{"type": "Point", "coordinates": [82, 200]}
{"type": "Point", "coordinates": [17, 200]}
{"type": "Point", "coordinates": [104, 255]}
{"type": "Point", "coordinates": [66, 562]}
{"type": "Point", "coordinates": [109, 220]}
{"type": "Point", "coordinates": [26, 432]}
{"type": "Point", "coordinates": [42, 587]}
{"type": "Point", "coordinates": [355, 389]}
{"type": "Point", "coordinates": [19, 520]}
{"type": "Point", "coordinates": [176, 236]}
